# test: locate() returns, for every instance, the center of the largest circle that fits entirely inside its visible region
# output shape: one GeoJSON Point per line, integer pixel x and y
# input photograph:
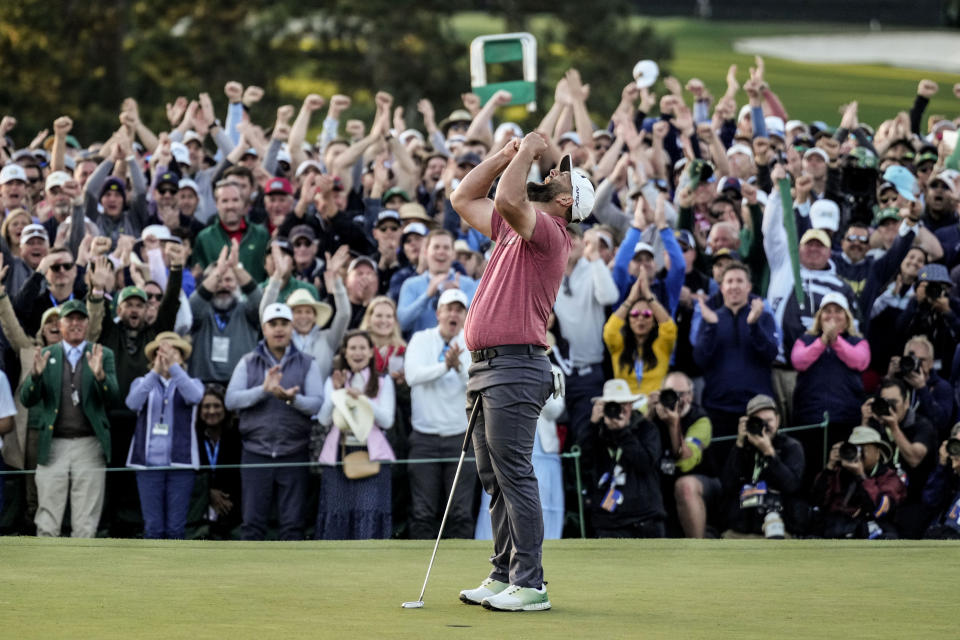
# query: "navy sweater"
{"type": "Point", "coordinates": [828, 385]}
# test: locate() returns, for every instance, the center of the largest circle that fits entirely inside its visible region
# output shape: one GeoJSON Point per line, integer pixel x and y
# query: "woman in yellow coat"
{"type": "Point", "coordinates": [640, 336]}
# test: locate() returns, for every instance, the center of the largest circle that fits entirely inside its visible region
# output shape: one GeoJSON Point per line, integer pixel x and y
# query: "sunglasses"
{"type": "Point", "coordinates": [857, 238]}
{"type": "Point", "coordinates": [154, 296]}
{"type": "Point", "coordinates": [34, 180]}
{"type": "Point", "coordinates": [646, 313]}
{"type": "Point", "coordinates": [167, 192]}
{"type": "Point", "coordinates": [303, 243]}
{"type": "Point", "coordinates": [63, 266]}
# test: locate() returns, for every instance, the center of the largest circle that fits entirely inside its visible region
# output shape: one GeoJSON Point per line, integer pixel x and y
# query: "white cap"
{"type": "Point", "coordinates": [796, 124]}
{"type": "Point", "coordinates": [187, 183]}
{"type": "Point", "coordinates": [160, 232]}
{"type": "Point", "coordinates": [572, 136]}
{"type": "Point", "coordinates": [740, 148]}
{"type": "Point", "coordinates": [745, 110]}
{"type": "Point", "coordinates": [275, 311]}
{"type": "Point", "coordinates": [405, 136]}
{"type": "Point", "coordinates": [508, 127]}
{"type": "Point", "coordinates": [947, 178]}
{"type": "Point", "coordinates": [57, 179]}
{"type": "Point", "coordinates": [836, 298]}
{"type": "Point", "coordinates": [306, 164]}
{"type": "Point", "coordinates": [825, 214]}
{"type": "Point", "coordinates": [582, 188]}
{"type": "Point", "coordinates": [180, 153]}
{"type": "Point", "coordinates": [192, 136]}
{"type": "Point", "coordinates": [643, 246]}
{"type": "Point", "coordinates": [774, 125]}
{"type": "Point", "coordinates": [33, 231]}
{"type": "Point", "coordinates": [283, 155]}
{"type": "Point", "coordinates": [453, 295]}
{"type": "Point", "coordinates": [816, 151]}
{"type": "Point", "coordinates": [12, 172]}
{"type": "Point", "coordinates": [416, 227]}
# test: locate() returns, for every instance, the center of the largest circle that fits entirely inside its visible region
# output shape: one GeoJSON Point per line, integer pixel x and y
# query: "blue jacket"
{"type": "Point", "coordinates": [828, 385]}
{"type": "Point", "coordinates": [666, 289]}
{"type": "Point", "coordinates": [735, 358]}
{"type": "Point", "coordinates": [415, 310]}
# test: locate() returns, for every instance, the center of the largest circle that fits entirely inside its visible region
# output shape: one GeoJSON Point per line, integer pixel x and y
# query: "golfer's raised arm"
{"type": "Point", "coordinates": [470, 197]}
{"type": "Point", "coordinates": [511, 198]}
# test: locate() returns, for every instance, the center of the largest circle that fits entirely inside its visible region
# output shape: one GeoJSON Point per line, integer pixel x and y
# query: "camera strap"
{"type": "Point", "coordinates": [758, 464]}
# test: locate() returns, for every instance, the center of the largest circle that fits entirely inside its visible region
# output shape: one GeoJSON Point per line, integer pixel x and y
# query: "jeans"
{"type": "Point", "coordinates": [165, 500]}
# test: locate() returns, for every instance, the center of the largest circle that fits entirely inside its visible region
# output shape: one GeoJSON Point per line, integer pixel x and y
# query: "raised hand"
{"type": "Point", "coordinates": [252, 95]}
{"type": "Point", "coordinates": [95, 360]}
{"type": "Point", "coordinates": [709, 315]}
{"type": "Point", "coordinates": [102, 276]}
{"type": "Point", "coordinates": [579, 91]}
{"type": "Point", "coordinates": [927, 88]}
{"type": "Point", "coordinates": [534, 143]}
{"type": "Point", "coordinates": [471, 102]}
{"type": "Point", "coordinates": [452, 357]}
{"type": "Point", "coordinates": [40, 358]}
{"type": "Point", "coordinates": [176, 254]}
{"type": "Point", "coordinates": [756, 310]}
{"type": "Point", "coordinates": [234, 91]}
{"type": "Point", "coordinates": [338, 104]}
{"type": "Point", "coordinates": [62, 126]}
{"type": "Point", "coordinates": [313, 102]}
{"type": "Point", "coordinates": [271, 381]}
{"type": "Point", "coordinates": [176, 111]}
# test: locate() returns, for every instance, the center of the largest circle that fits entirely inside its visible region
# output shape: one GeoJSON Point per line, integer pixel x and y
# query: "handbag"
{"type": "Point", "coordinates": [357, 465]}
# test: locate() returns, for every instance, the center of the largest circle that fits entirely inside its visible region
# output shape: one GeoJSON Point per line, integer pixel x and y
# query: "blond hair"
{"type": "Point", "coordinates": [395, 339]}
{"type": "Point", "coordinates": [816, 329]}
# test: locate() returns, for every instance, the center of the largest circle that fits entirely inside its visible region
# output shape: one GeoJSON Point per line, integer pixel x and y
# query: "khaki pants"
{"type": "Point", "coordinates": [75, 467]}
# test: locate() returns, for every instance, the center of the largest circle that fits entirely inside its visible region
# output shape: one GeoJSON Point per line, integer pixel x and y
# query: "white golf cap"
{"type": "Point", "coordinates": [417, 228]}
{"type": "Point", "coordinates": [745, 110]}
{"type": "Point", "coordinates": [816, 151]}
{"type": "Point", "coordinates": [570, 136]}
{"type": "Point", "coordinates": [740, 148]}
{"type": "Point", "coordinates": [796, 124]}
{"type": "Point", "coordinates": [283, 155]}
{"type": "Point", "coordinates": [582, 189]}
{"type": "Point", "coordinates": [407, 134]}
{"type": "Point", "coordinates": [180, 153]}
{"type": "Point", "coordinates": [643, 246]}
{"type": "Point", "coordinates": [33, 231]}
{"type": "Point", "coordinates": [453, 295]}
{"type": "Point", "coordinates": [192, 136]}
{"type": "Point", "coordinates": [275, 311]}
{"type": "Point", "coordinates": [836, 298]}
{"type": "Point", "coordinates": [306, 164]}
{"type": "Point", "coordinates": [825, 214]}
{"type": "Point", "coordinates": [511, 128]}
{"type": "Point", "coordinates": [187, 183]}
{"type": "Point", "coordinates": [12, 172]}
{"type": "Point", "coordinates": [57, 179]}
{"type": "Point", "coordinates": [160, 232]}
{"type": "Point", "coordinates": [774, 125]}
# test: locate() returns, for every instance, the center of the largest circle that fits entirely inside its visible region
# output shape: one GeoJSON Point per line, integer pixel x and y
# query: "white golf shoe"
{"type": "Point", "coordinates": [515, 598]}
{"type": "Point", "coordinates": [487, 588]}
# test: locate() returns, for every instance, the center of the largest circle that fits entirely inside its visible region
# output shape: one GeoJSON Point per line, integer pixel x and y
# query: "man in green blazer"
{"type": "Point", "coordinates": [74, 383]}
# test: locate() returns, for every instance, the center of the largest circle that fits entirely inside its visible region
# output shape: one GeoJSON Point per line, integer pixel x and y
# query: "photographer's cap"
{"type": "Point", "coordinates": [869, 435]}
{"type": "Point", "coordinates": [617, 390]}
{"type": "Point", "coordinates": [760, 402]}
{"type": "Point", "coordinates": [935, 273]}
{"type": "Point", "coordinates": [581, 190]}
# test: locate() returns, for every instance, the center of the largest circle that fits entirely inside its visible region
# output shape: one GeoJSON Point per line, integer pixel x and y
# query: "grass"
{"type": "Point", "coordinates": [600, 589]}
{"type": "Point", "coordinates": [704, 49]}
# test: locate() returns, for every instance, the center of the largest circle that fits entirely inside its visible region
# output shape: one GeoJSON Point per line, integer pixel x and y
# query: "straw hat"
{"type": "Point", "coordinates": [353, 414]}
{"type": "Point", "coordinates": [170, 337]}
{"type": "Point", "coordinates": [302, 297]}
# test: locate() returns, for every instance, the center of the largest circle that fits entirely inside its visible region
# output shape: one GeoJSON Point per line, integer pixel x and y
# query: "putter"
{"type": "Point", "coordinates": [418, 604]}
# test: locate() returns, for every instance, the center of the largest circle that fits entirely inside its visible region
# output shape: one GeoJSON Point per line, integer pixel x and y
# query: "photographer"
{"type": "Point", "coordinates": [626, 500]}
{"type": "Point", "coordinates": [914, 444]}
{"type": "Point", "coordinates": [685, 431]}
{"type": "Point", "coordinates": [858, 491]}
{"type": "Point", "coordinates": [763, 474]}
{"type": "Point", "coordinates": [929, 314]}
{"type": "Point", "coordinates": [941, 496]}
{"type": "Point", "coordinates": [931, 394]}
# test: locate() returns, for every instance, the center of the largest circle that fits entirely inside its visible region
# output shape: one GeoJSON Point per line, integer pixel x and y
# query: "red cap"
{"type": "Point", "coordinates": [278, 185]}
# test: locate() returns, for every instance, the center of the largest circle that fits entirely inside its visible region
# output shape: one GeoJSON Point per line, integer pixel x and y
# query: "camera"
{"type": "Point", "coordinates": [908, 365]}
{"type": "Point", "coordinates": [849, 452]}
{"type": "Point", "coordinates": [612, 410]}
{"type": "Point", "coordinates": [953, 447]}
{"type": "Point", "coordinates": [755, 425]}
{"type": "Point", "coordinates": [881, 407]}
{"type": "Point", "coordinates": [668, 399]}
{"type": "Point", "coordinates": [935, 290]}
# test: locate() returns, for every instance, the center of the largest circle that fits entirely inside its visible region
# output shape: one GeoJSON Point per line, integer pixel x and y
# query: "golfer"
{"type": "Point", "coordinates": [506, 334]}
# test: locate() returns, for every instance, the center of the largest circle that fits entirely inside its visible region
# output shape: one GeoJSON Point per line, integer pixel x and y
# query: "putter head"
{"type": "Point", "coordinates": [413, 605]}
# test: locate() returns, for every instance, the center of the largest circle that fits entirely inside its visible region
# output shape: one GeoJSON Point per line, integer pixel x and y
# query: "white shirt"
{"type": "Point", "coordinates": [74, 353]}
{"type": "Point", "coordinates": [438, 395]}
{"type": "Point", "coordinates": [580, 310]}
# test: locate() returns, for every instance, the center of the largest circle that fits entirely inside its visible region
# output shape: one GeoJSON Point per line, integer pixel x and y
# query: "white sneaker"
{"type": "Point", "coordinates": [487, 588]}
{"type": "Point", "coordinates": [515, 598]}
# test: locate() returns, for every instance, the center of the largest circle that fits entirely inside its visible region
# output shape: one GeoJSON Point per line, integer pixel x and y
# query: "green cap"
{"type": "Point", "coordinates": [73, 306]}
{"type": "Point", "coordinates": [927, 156]}
{"type": "Point", "coordinates": [887, 213]}
{"type": "Point", "coordinates": [131, 292]}
{"type": "Point", "coordinates": [864, 158]}
{"type": "Point", "coordinates": [395, 191]}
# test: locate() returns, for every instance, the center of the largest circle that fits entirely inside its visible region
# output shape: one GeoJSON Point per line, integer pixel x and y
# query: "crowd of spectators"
{"type": "Point", "coordinates": [756, 327]}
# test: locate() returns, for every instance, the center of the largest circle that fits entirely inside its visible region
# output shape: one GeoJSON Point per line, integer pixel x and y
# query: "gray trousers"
{"type": "Point", "coordinates": [512, 390]}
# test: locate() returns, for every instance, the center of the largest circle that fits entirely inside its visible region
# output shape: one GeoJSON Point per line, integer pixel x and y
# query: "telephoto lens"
{"type": "Point", "coordinates": [908, 364]}
{"type": "Point", "coordinates": [612, 410]}
{"type": "Point", "coordinates": [881, 407]}
{"type": "Point", "coordinates": [953, 446]}
{"type": "Point", "coordinates": [668, 399]}
{"type": "Point", "coordinates": [755, 425]}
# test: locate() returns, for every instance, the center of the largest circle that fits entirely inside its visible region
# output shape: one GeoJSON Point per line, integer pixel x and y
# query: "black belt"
{"type": "Point", "coordinates": [507, 350]}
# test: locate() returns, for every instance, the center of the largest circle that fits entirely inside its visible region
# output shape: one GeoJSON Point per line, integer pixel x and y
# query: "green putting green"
{"type": "Point", "coordinates": [600, 589]}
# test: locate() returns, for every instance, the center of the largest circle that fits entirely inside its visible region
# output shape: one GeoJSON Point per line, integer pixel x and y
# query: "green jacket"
{"type": "Point", "coordinates": [292, 285]}
{"type": "Point", "coordinates": [253, 247]}
{"type": "Point", "coordinates": [95, 397]}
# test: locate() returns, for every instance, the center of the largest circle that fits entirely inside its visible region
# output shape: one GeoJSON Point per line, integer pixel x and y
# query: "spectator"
{"type": "Point", "coordinates": [685, 432]}
{"type": "Point", "coordinates": [225, 326]}
{"type": "Point", "coordinates": [165, 436]}
{"type": "Point", "coordinates": [306, 265]}
{"type": "Point", "coordinates": [763, 474]}
{"type": "Point", "coordinates": [626, 501]}
{"type": "Point", "coordinates": [931, 395]}
{"type": "Point", "coordinates": [361, 288]}
{"type": "Point", "coordinates": [286, 278]}
{"type": "Point", "coordinates": [929, 314]}
{"type": "Point", "coordinates": [7, 412]}
{"type": "Point", "coordinates": [829, 359]}
{"type": "Point", "coordinates": [13, 188]}
{"type": "Point", "coordinates": [11, 229]}
{"type": "Point", "coordinates": [72, 383]}
{"type": "Point", "coordinates": [587, 288]}
{"type": "Point", "coordinates": [941, 495]}
{"type": "Point", "coordinates": [275, 388]}
{"type": "Point", "coordinates": [217, 432]}
{"type": "Point", "coordinates": [33, 247]}
{"type": "Point", "coordinates": [435, 367]}
{"type": "Point", "coordinates": [412, 242]}
{"type": "Point", "coordinates": [885, 309]}
{"type": "Point", "coordinates": [640, 349]}
{"type": "Point", "coordinates": [358, 405]}
{"type": "Point", "coordinates": [859, 491]}
{"type": "Point", "coordinates": [232, 226]}
{"type": "Point", "coordinates": [54, 282]}
{"type": "Point", "coordinates": [387, 234]}
{"type": "Point", "coordinates": [735, 349]}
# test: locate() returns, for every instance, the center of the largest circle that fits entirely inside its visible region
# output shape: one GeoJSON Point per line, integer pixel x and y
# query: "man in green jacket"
{"type": "Point", "coordinates": [233, 225]}
{"type": "Point", "coordinates": [73, 382]}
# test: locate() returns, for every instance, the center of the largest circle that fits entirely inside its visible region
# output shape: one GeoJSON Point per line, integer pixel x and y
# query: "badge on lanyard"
{"type": "Point", "coordinates": [75, 397]}
{"type": "Point", "coordinates": [220, 349]}
{"type": "Point", "coordinates": [161, 429]}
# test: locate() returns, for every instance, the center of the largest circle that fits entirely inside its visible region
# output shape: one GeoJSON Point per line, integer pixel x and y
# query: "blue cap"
{"type": "Point", "coordinates": [903, 180]}
{"type": "Point", "coordinates": [935, 273]}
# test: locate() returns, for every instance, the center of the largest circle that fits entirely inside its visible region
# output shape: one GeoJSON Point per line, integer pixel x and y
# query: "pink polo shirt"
{"type": "Point", "coordinates": [519, 285]}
